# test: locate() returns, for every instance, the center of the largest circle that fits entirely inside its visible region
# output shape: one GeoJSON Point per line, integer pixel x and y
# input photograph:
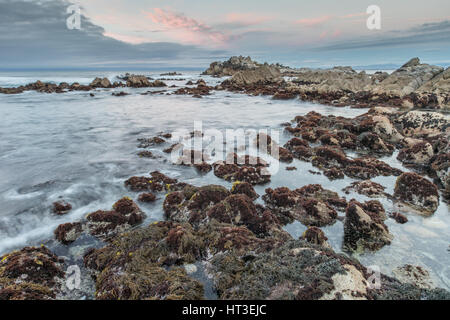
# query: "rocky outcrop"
{"type": "Point", "coordinates": [407, 78]}
{"type": "Point", "coordinates": [61, 207]}
{"type": "Point", "coordinates": [417, 192]}
{"type": "Point", "coordinates": [231, 66]}
{"type": "Point", "coordinates": [260, 75]}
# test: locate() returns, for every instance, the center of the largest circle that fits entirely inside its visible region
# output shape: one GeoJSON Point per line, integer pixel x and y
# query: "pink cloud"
{"type": "Point", "coordinates": [188, 29]}
{"type": "Point", "coordinates": [311, 22]}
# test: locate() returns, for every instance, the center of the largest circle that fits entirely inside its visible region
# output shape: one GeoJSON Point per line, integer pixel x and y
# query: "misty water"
{"type": "Point", "coordinates": [81, 149]}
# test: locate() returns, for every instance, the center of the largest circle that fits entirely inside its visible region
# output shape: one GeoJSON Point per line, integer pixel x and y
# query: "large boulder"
{"type": "Point", "coordinates": [417, 192]}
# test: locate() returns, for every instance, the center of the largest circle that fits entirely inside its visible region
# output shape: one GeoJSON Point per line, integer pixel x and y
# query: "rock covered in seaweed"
{"type": "Point", "coordinates": [124, 215]}
{"type": "Point", "coordinates": [417, 192]}
{"type": "Point", "coordinates": [364, 227]}
{"type": "Point", "coordinates": [311, 205]}
{"type": "Point", "coordinates": [30, 274]}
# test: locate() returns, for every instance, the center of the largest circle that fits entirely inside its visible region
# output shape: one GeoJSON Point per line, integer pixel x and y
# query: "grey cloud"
{"type": "Point", "coordinates": [34, 34]}
{"type": "Point", "coordinates": [421, 35]}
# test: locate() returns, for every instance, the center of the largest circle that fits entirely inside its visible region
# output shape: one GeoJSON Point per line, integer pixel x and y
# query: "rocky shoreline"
{"type": "Point", "coordinates": [241, 245]}
{"type": "Point", "coordinates": [414, 85]}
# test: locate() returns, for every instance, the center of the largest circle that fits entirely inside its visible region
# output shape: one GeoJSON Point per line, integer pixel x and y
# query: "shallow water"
{"type": "Point", "coordinates": [82, 148]}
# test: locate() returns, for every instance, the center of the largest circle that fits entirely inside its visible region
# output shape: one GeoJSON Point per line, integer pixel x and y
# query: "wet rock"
{"type": "Point", "coordinates": [120, 94]}
{"type": "Point", "coordinates": [253, 174]}
{"type": "Point", "coordinates": [417, 192]}
{"type": "Point", "coordinates": [368, 167]}
{"type": "Point", "coordinates": [291, 168]}
{"type": "Point", "coordinates": [203, 167]}
{"type": "Point", "coordinates": [315, 235]}
{"type": "Point", "coordinates": [265, 143]}
{"type": "Point", "coordinates": [334, 174]}
{"type": "Point", "coordinates": [30, 274]}
{"type": "Point", "coordinates": [298, 270]}
{"type": "Point", "coordinates": [100, 83]}
{"type": "Point", "coordinates": [156, 182]}
{"type": "Point", "coordinates": [146, 154]}
{"type": "Point", "coordinates": [148, 142]}
{"type": "Point", "coordinates": [367, 188]}
{"type": "Point", "coordinates": [311, 205]}
{"type": "Point", "coordinates": [419, 154]}
{"type": "Point", "coordinates": [240, 210]}
{"type": "Point", "coordinates": [244, 188]}
{"type": "Point", "coordinates": [61, 207]}
{"type": "Point", "coordinates": [147, 197]}
{"type": "Point", "coordinates": [191, 203]}
{"type": "Point", "coordinates": [373, 143]}
{"type": "Point", "coordinates": [398, 217]}
{"type": "Point", "coordinates": [364, 227]}
{"type": "Point", "coordinates": [415, 275]}
{"type": "Point", "coordinates": [68, 232]}
{"type": "Point", "coordinates": [328, 157]}
{"type": "Point", "coordinates": [174, 147]}
{"type": "Point", "coordinates": [137, 81]}
{"type": "Point", "coordinates": [124, 215]}
{"type": "Point", "coordinates": [441, 165]}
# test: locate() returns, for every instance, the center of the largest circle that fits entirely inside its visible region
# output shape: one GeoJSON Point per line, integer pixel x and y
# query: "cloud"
{"type": "Point", "coordinates": [34, 34]}
{"type": "Point", "coordinates": [436, 32]}
{"type": "Point", "coordinates": [189, 29]}
{"type": "Point", "coordinates": [312, 22]}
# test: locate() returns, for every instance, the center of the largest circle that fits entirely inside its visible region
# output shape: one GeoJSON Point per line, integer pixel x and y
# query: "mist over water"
{"type": "Point", "coordinates": [81, 149]}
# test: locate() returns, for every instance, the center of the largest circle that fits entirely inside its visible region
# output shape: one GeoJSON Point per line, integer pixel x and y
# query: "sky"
{"type": "Point", "coordinates": [192, 33]}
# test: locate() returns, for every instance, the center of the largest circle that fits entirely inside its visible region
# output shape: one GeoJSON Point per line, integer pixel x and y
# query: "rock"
{"type": "Point", "coordinates": [408, 78]}
{"type": "Point", "coordinates": [422, 124]}
{"type": "Point", "coordinates": [367, 188]}
{"type": "Point", "coordinates": [441, 165]}
{"type": "Point", "coordinates": [147, 197]}
{"type": "Point", "coordinates": [415, 275]}
{"type": "Point", "coordinates": [138, 81]}
{"type": "Point", "coordinates": [146, 154]}
{"type": "Point", "coordinates": [61, 207]}
{"type": "Point", "coordinates": [263, 74]}
{"type": "Point", "coordinates": [244, 188]}
{"type": "Point", "coordinates": [419, 154]}
{"type": "Point", "coordinates": [30, 274]}
{"type": "Point", "coordinates": [436, 91]}
{"type": "Point", "coordinates": [100, 83]}
{"type": "Point", "coordinates": [311, 205]}
{"type": "Point", "coordinates": [156, 182]}
{"type": "Point", "coordinates": [298, 270]}
{"type": "Point", "coordinates": [417, 192]}
{"type": "Point", "coordinates": [257, 174]}
{"type": "Point", "coordinates": [364, 227]}
{"type": "Point", "coordinates": [398, 217]}
{"type": "Point", "coordinates": [315, 235]}
{"type": "Point", "coordinates": [334, 173]}
{"type": "Point", "coordinates": [68, 232]}
{"type": "Point", "coordinates": [230, 67]}
{"type": "Point", "coordinates": [125, 214]}
{"type": "Point", "coordinates": [148, 142]}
